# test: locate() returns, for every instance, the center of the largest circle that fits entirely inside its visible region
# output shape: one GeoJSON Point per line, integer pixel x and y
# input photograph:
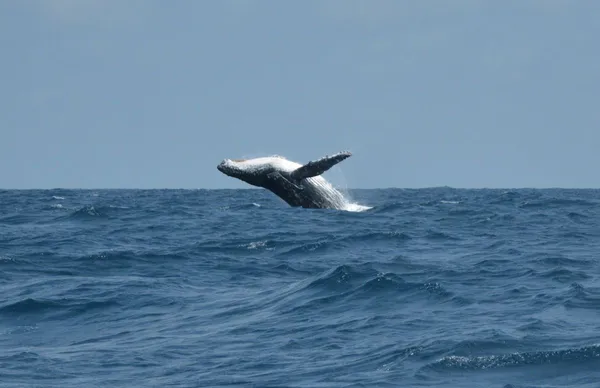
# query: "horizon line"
{"type": "Point", "coordinates": [347, 188]}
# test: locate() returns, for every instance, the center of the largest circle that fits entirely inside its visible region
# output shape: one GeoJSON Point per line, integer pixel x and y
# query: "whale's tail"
{"type": "Point", "coordinates": [319, 166]}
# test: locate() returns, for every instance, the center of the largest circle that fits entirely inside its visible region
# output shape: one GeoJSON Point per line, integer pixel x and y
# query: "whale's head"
{"type": "Point", "coordinates": [251, 171]}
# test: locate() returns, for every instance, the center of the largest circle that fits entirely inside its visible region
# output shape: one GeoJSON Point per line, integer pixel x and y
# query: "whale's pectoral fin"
{"type": "Point", "coordinates": [319, 166]}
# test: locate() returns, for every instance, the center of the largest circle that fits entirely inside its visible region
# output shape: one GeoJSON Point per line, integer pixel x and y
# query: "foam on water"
{"type": "Point", "coordinates": [355, 207]}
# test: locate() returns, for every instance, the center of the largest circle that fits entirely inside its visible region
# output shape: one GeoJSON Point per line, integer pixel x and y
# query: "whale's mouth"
{"type": "Point", "coordinates": [223, 166]}
{"type": "Point", "coordinates": [229, 167]}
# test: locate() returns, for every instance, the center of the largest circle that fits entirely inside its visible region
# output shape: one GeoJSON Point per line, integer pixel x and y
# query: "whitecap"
{"type": "Point", "coordinates": [258, 244]}
{"type": "Point", "coordinates": [355, 207]}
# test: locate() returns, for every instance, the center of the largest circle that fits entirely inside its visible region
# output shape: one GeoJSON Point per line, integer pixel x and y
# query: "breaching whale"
{"type": "Point", "coordinates": [296, 184]}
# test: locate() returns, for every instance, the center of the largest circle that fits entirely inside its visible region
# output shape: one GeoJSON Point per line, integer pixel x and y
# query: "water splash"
{"type": "Point", "coordinates": [355, 207]}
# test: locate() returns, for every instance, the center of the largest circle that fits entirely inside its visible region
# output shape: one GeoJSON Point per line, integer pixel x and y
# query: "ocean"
{"type": "Point", "coordinates": [436, 287]}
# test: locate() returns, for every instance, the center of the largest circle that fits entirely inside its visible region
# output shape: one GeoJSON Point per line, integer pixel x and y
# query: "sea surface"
{"type": "Point", "coordinates": [210, 288]}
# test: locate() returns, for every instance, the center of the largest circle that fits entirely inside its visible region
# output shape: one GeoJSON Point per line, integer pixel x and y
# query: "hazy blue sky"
{"type": "Point", "coordinates": [154, 94]}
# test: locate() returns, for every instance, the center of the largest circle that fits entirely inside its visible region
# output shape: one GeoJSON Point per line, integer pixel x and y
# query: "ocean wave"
{"type": "Point", "coordinates": [550, 259]}
{"type": "Point", "coordinates": [551, 357]}
{"type": "Point", "coordinates": [346, 286]}
{"type": "Point", "coordinates": [243, 206]}
{"type": "Point", "coordinates": [92, 212]}
{"type": "Point", "coordinates": [552, 203]}
{"type": "Point", "coordinates": [31, 306]}
{"type": "Point", "coordinates": [581, 297]}
{"type": "Point", "coordinates": [119, 259]}
{"type": "Point", "coordinates": [577, 216]}
{"type": "Point", "coordinates": [19, 218]}
{"type": "Point", "coordinates": [324, 244]}
{"type": "Point", "coordinates": [440, 236]}
{"type": "Point", "coordinates": [505, 198]}
{"type": "Point", "coordinates": [391, 207]}
{"type": "Point", "coordinates": [340, 278]}
{"type": "Point", "coordinates": [564, 275]}
{"type": "Point", "coordinates": [465, 212]}
{"type": "Point", "coordinates": [27, 306]}
{"type": "Point", "coordinates": [366, 281]}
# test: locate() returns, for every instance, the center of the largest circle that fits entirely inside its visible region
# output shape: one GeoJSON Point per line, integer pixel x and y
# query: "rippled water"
{"type": "Point", "coordinates": [196, 288]}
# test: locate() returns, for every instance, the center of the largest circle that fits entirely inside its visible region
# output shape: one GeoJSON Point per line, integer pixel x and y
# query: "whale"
{"type": "Point", "coordinates": [299, 185]}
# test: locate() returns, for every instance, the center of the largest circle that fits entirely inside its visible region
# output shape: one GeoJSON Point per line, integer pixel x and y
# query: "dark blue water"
{"type": "Point", "coordinates": [433, 287]}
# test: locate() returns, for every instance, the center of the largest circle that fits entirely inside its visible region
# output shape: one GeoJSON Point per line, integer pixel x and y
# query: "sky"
{"type": "Point", "coordinates": [154, 94]}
